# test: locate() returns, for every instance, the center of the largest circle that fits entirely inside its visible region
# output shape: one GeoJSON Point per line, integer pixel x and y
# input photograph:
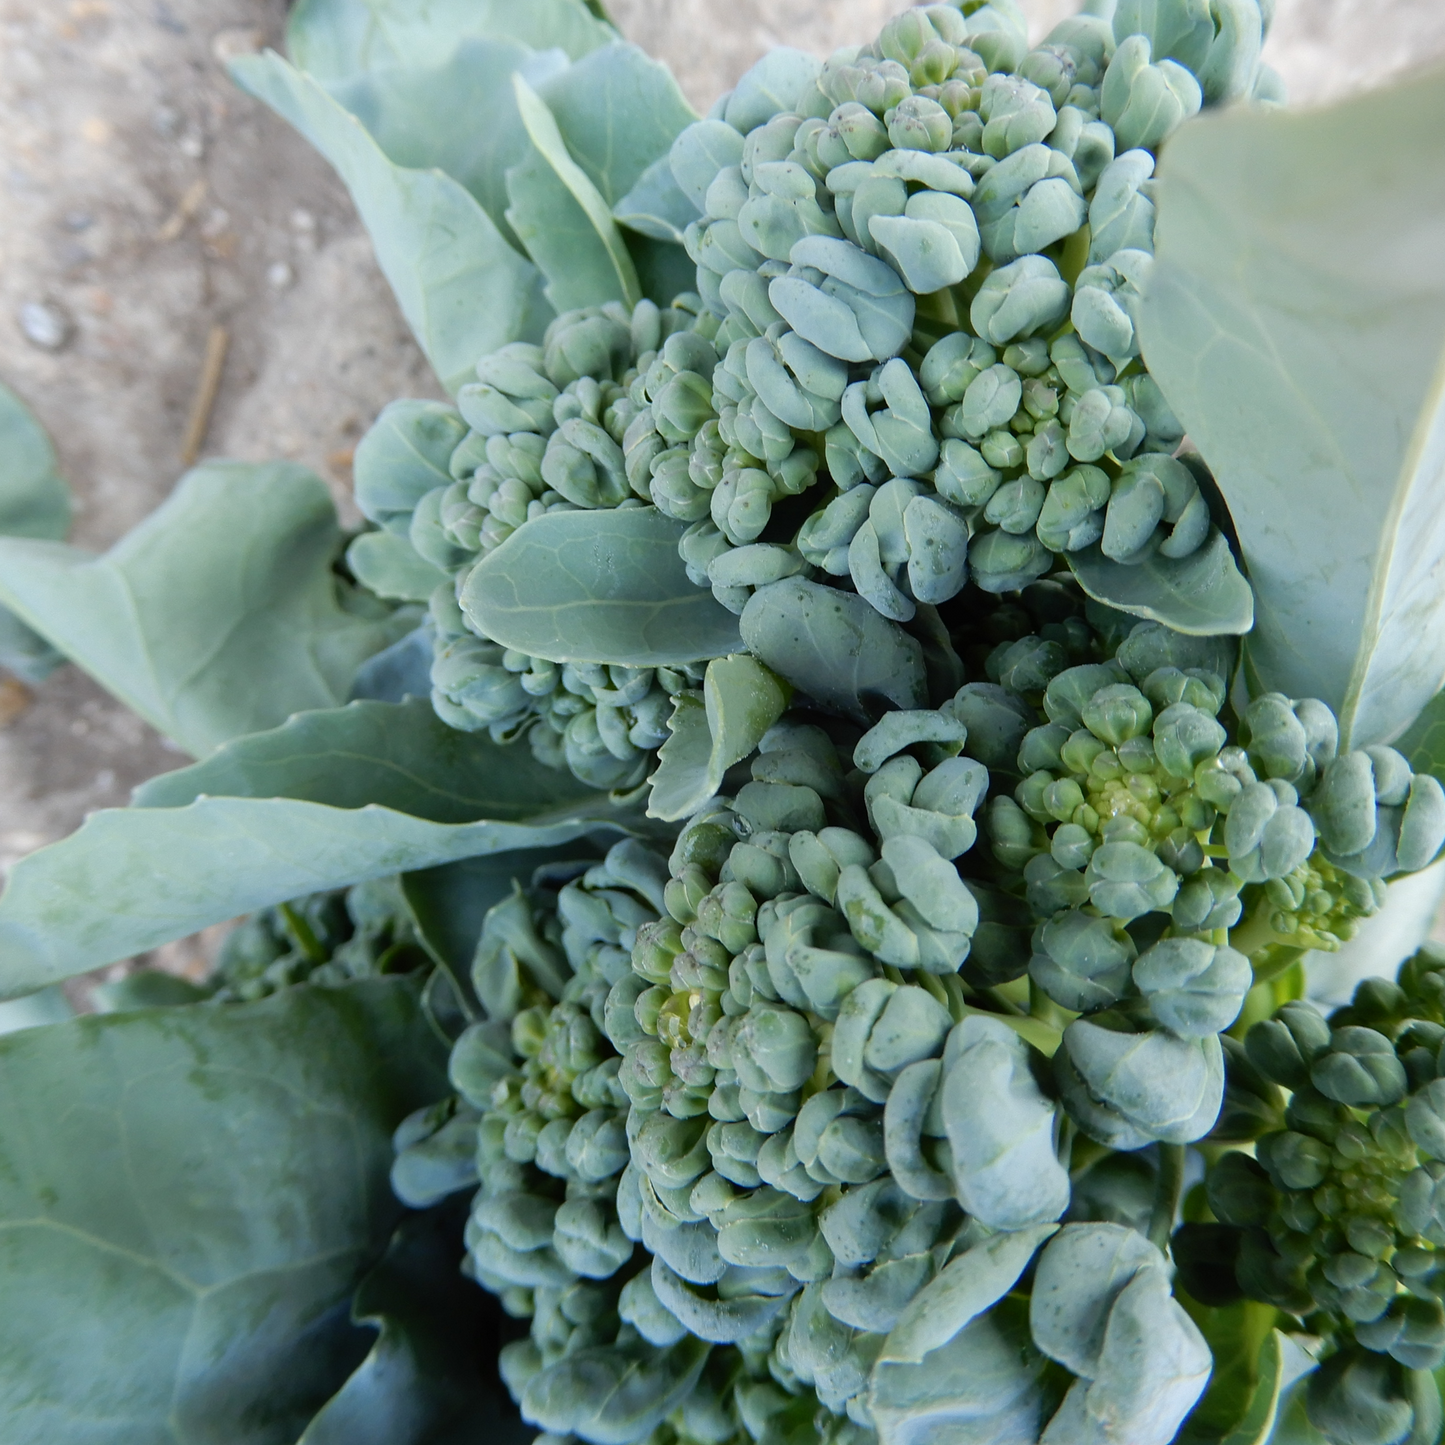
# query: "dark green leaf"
{"type": "Point", "coordinates": [1303, 347]}
{"type": "Point", "coordinates": [431, 1376]}
{"type": "Point", "coordinates": [463, 290]}
{"type": "Point", "coordinates": [328, 800]}
{"type": "Point", "coordinates": [1292, 1427]}
{"type": "Point", "coordinates": [216, 617]}
{"type": "Point", "coordinates": [176, 1260]}
{"type": "Point", "coordinates": [603, 586]}
{"type": "Point", "coordinates": [1241, 1403]}
{"type": "Point", "coordinates": [1424, 742]}
{"type": "Point", "coordinates": [24, 651]}
{"type": "Point", "coordinates": [664, 269]}
{"type": "Point", "coordinates": [337, 40]}
{"type": "Point", "coordinates": [562, 218]}
{"type": "Point", "coordinates": [1203, 594]}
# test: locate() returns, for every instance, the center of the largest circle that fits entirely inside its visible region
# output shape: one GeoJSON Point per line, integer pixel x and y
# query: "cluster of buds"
{"type": "Point", "coordinates": [1337, 1217]}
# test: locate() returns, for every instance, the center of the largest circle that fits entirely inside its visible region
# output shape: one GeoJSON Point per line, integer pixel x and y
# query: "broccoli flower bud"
{"type": "Point", "coordinates": [1341, 1217]}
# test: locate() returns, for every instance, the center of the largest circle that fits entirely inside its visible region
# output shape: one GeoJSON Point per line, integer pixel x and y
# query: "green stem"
{"type": "Point", "coordinates": [1167, 1190]}
{"type": "Point", "coordinates": [300, 930]}
{"type": "Point", "coordinates": [1256, 932]}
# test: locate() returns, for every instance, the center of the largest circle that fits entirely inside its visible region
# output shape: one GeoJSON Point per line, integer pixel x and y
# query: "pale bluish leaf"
{"type": "Point", "coordinates": [391, 567]}
{"type": "Point", "coordinates": [411, 113]}
{"type": "Point", "coordinates": [34, 502]}
{"type": "Point", "coordinates": [132, 879]}
{"type": "Point", "coordinates": [34, 499]}
{"type": "Point", "coordinates": [178, 1259]}
{"type": "Point", "coordinates": [1301, 340]}
{"type": "Point", "coordinates": [395, 755]}
{"type": "Point", "coordinates": [619, 112]}
{"type": "Point", "coordinates": [329, 799]}
{"type": "Point", "coordinates": [1202, 594]}
{"type": "Point", "coordinates": [336, 40]}
{"type": "Point", "coordinates": [462, 288]}
{"type": "Point", "coordinates": [741, 701]}
{"type": "Point", "coordinates": [683, 781]}
{"type": "Point", "coordinates": [605, 586]}
{"type": "Point", "coordinates": [657, 206]}
{"type": "Point", "coordinates": [562, 218]}
{"type": "Point", "coordinates": [219, 615]}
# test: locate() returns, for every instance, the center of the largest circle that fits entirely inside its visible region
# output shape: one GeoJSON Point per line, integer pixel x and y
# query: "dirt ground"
{"type": "Point", "coordinates": [144, 201]}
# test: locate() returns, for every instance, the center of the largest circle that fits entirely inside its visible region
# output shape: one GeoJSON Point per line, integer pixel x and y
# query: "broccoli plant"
{"type": "Point", "coordinates": [791, 867]}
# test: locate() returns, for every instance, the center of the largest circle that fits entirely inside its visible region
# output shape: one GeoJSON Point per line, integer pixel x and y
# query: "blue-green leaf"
{"type": "Point", "coordinates": [219, 615]}
{"type": "Point", "coordinates": [177, 1260]}
{"type": "Point", "coordinates": [619, 112]}
{"type": "Point", "coordinates": [835, 648]}
{"type": "Point", "coordinates": [1424, 742]}
{"type": "Point", "coordinates": [741, 701]}
{"type": "Point", "coordinates": [657, 206]}
{"type": "Point", "coordinates": [411, 113]}
{"type": "Point", "coordinates": [462, 288]}
{"type": "Point", "coordinates": [1202, 594]}
{"type": "Point", "coordinates": [393, 755]}
{"type": "Point", "coordinates": [391, 567]}
{"type": "Point", "coordinates": [336, 40]}
{"type": "Point", "coordinates": [330, 799]}
{"type": "Point", "coordinates": [604, 586]}
{"type": "Point", "coordinates": [1302, 344]}
{"type": "Point", "coordinates": [132, 879]}
{"type": "Point", "coordinates": [562, 218]}
{"type": "Point", "coordinates": [34, 500]}
{"type": "Point", "coordinates": [431, 1377]}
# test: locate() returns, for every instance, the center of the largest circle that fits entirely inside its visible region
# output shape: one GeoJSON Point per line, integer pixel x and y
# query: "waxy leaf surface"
{"type": "Point", "coordinates": [604, 586]}
{"type": "Point", "coordinates": [1301, 340]}
{"type": "Point", "coordinates": [1202, 594]}
{"type": "Point", "coordinates": [330, 799]}
{"type": "Point", "coordinates": [218, 616]}
{"type": "Point", "coordinates": [188, 1200]}
{"type": "Point", "coordinates": [336, 40]}
{"type": "Point", "coordinates": [463, 289]}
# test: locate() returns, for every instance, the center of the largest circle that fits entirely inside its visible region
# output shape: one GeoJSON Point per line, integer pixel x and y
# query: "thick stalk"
{"type": "Point", "coordinates": [1167, 1190]}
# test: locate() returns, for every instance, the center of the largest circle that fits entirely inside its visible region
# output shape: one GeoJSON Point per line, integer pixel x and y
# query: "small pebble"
{"type": "Point", "coordinates": [237, 40]}
{"type": "Point", "coordinates": [45, 325]}
{"type": "Point", "coordinates": [280, 275]}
